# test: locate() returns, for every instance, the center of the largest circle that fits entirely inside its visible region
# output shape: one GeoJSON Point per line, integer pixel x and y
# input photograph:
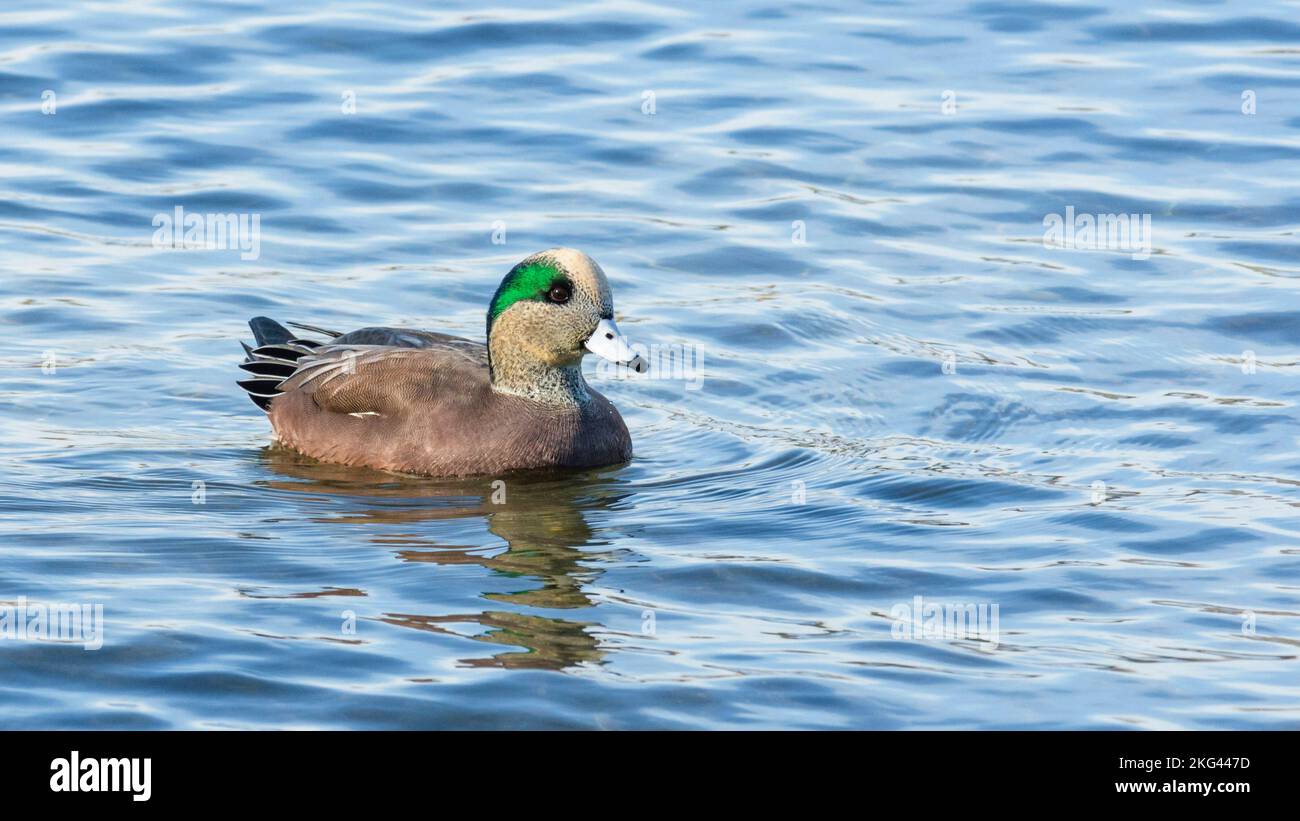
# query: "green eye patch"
{"type": "Point", "coordinates": [527, 280]}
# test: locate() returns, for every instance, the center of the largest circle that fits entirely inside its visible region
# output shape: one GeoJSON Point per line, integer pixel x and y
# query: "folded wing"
{"type": "Point", "coordinates": [371, 370]}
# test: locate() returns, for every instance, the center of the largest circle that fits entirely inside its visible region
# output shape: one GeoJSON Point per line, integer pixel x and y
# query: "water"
{"type": "Point", "coordinates": [1104, 447]}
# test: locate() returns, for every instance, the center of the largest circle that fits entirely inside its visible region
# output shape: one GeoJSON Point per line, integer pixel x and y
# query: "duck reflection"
{"type": "Point", "coordinates": [540, 517]}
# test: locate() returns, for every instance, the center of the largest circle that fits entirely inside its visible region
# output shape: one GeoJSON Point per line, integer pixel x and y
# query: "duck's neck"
{"type": "Point", "coordinates": [525, 377]}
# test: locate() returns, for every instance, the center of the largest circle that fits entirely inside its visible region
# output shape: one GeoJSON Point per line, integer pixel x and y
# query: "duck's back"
{"type": "Point", "coordinates": [422, 402]}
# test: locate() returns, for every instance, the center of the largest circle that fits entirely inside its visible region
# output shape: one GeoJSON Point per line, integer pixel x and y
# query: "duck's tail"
{"type": "Point", "coordinates": [274, 359]}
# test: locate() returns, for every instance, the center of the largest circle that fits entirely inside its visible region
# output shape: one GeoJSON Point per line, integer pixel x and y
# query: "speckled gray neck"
{"type": "Point", "coordinates": [529, 379]}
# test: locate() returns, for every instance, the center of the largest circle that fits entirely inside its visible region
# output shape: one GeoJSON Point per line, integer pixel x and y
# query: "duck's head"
{"type": "Point", "coordinates": [551, 310]}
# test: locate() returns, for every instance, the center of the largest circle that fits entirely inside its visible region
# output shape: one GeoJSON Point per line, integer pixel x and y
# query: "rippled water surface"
{"type": "Point", "coordinates": [921, 398]}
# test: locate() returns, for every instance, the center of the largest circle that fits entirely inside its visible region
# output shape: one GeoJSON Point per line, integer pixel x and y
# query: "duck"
{"type": "Point", "coordinates": [431, 404]}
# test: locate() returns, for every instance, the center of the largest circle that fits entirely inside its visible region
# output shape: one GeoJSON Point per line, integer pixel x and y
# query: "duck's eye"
{"type": "Point", "coordinates": [559, 294]}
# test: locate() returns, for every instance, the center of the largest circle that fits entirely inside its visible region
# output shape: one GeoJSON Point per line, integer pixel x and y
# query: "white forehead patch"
{"type": "Point", "coordinates": [585, 272]}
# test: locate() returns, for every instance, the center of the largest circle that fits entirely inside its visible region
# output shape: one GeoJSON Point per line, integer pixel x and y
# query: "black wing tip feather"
{"type": "Point", "coordinates": [260, 390]}
{"type": "Point", "coordinates": [266, 367]}
{"type": "Point", "coordinates": [268, 332]}
{"type": "Point", "coordinates": [270, 362]}
{"type": "Point", "coordinates": [263, 402]}
{"type": "Point", "coordinates": [316, 329]}
{"type": "Point", "coordinates": [275, 358]}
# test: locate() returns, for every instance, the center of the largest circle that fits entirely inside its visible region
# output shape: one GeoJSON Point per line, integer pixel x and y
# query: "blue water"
{"type": "Point", "coordinates": [920, 398]}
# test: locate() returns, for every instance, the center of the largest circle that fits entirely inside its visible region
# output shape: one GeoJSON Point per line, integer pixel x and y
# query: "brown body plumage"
{"type": "Point", "coordinates": [438, 405]}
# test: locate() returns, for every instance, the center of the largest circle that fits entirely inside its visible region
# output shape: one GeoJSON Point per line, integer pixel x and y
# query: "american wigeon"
{"type": "Point", "coordinates": [427, 403]}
